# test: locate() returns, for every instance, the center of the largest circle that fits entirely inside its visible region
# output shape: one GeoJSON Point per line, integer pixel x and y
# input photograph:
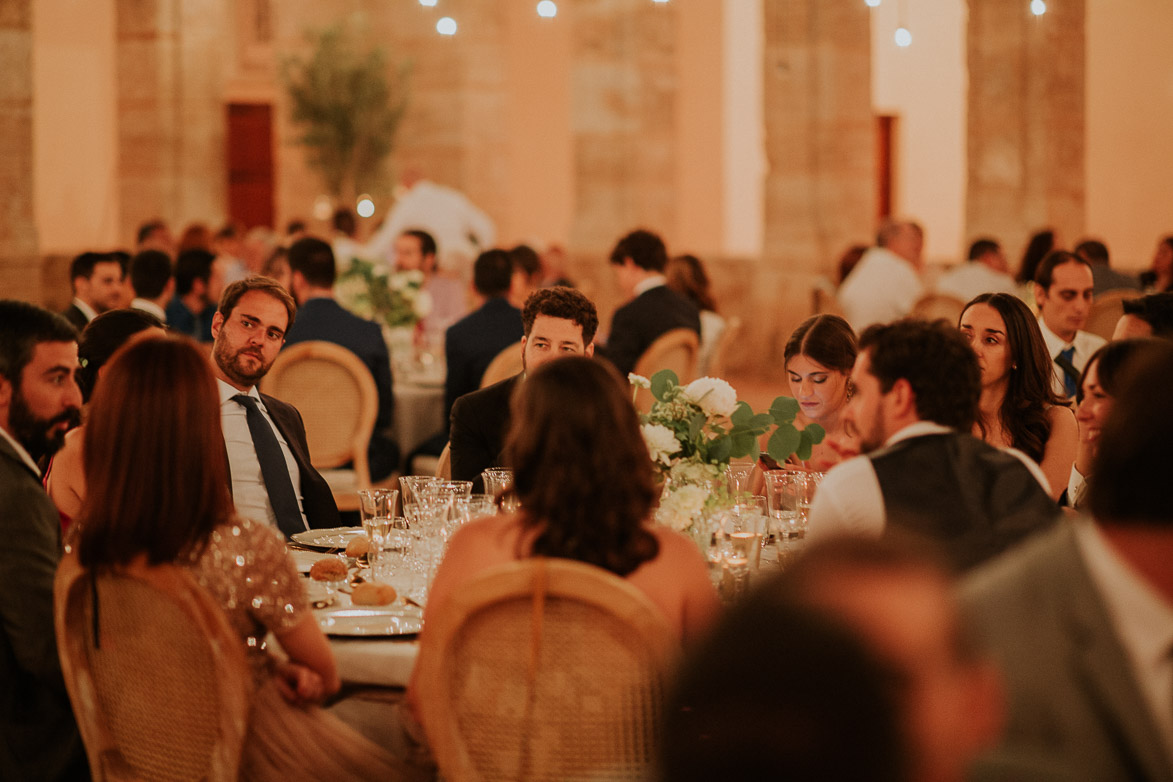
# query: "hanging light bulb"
{"type": "Point", "coordinates": [1038, 7]}
{"type": "Point", "coordinates": [903, 37]}
{"type": "Point", "coordinates": [428, 3]}
{"type": "Point", "coordinates": [365, 206]}
{"type": "Point", "coordinates": [547, 9]}
{"type": "Point", "coordinates": [446, 26]}
{"type": "Point", "coordinates": [872, 3]}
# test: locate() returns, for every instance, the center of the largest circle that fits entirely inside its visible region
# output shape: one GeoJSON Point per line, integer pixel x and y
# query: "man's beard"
{"type": "Point", "coordinates": [39, 436]}
{"type": "Point", "coordinates": [230, 365]}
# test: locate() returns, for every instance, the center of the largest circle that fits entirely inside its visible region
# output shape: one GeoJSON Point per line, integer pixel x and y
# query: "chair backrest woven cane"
{"type": "Point", "coordinates": [676, 350]}
{"type": "Point", "coordinates": [504, 365]}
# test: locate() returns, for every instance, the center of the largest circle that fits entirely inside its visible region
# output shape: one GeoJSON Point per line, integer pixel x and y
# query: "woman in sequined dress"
{"type": "Point", "coordinates": [158, 487]}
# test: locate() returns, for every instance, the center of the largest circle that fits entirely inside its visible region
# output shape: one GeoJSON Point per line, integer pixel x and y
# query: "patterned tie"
{"type": "Point", "coordinates": [274, 470]}
{"type": "Point", "coordinates": [1070, 373]}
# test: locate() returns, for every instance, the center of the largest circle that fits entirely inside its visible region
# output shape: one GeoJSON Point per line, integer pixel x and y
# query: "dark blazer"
{"type": "Point", "coordinates": [1105, 278]}
{"type": "Point", "coordinates": [38, 735]}
{"type": "Point", "coordinates": [75, 316]}
{"type": "Point", "coordinates": [480, 421]}
{"type": "Point", "coordinates": [637, 324]}
{"type": "Point", "coordinates": [183, 320]}
{"type": "Point", "coordinates": [1072, 693]}
{"type": "Point", "coordinates": [317, 500]}
{"type": "Point", "coordinates": [327, 320]}
{"type": "Point", "coordinates": [472, 343]}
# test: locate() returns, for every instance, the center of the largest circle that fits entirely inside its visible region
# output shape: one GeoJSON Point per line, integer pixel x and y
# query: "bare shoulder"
{"type": "Point", "coordinates": [1062, 420]}
{"type": "Point", "coordinates": [675, 548]}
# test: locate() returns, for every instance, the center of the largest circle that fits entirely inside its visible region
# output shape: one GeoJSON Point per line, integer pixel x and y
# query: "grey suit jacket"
{"type": "Point", "coordinates": [1072, 694]}
{"type": "Point", "coordinates": [38, 735]}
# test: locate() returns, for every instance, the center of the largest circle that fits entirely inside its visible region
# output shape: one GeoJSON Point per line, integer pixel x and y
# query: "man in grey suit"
{"type": "Point", "coordinates": [39, 402]}
{"type": "Point", "coordinates": [1081, 619]}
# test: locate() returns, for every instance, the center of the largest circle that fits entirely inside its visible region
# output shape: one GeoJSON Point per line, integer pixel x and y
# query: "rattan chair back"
{"type": "Point", "coordinates": [156, 675]}
{"type": "Point", "coordinates": [444, 463]}
{"type": "Point", "coordinates": [505, 365]}
{"type": "Point", "coordinates": [545, 670]}
{"type": "Point", "coordinates": [676, 350]}
{"type": "Point", "coordinates": [719, 362]}
{"type": "Point", "coordinates": [336, 396]}
{"type": "Point", "coordinates": [938, 306]}
{"type": "Point", "coordinates": [1106, 310]}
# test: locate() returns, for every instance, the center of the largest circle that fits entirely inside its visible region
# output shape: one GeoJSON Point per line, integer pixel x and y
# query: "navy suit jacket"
{"type": "Point", "coordinates": [325, 319]}
{"type": "Point", "coordinates": [637, 324]}
{"type": "Point", "coordinates": [480, 421]}
{"type": "Point", "coordinates": [183, 320]}
{"type": "Point", "coordinates": [473, 342]}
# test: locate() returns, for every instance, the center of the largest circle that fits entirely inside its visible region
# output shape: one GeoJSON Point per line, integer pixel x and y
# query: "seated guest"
{"type": "Point", "coordinates": [984, 272]}
{"type": "Point", "coordinates": [1081, 618]}
{"type": "Point", "coordinates": [415, 250]}
{"type": "Point", "coordinates": [65, 480]}
{"type": "Point", "coordinates": [190, 311]}
{"type": "Point", "coordinates": [686, 275]}
{"type": "Point", "coordinates": [96, 279]}
{"type": "Point", "coordinates": [39, 401]}
{"type": "Point", "coordinates": [152, 282]}
{"type": "Point", "coordinates": [269, 467]}
{"type": "Point", "coordinates": [819, 356]}
{"type": "Point", "coordinates": [320, 317]}
{"type": "Point", "coordinates": [1146, 316]}
{"type": "Point", "coordinates": [821, 684]}
{"type": "Point", "coordinates": [527, 274]}
{"type": "Point", "coordinates": [1159, 278]}
{"type": "Point", "coordinates": [886, 283]}
{"type": "Point", "coordinates": [1106, 278]}
{"type": "Point", "coordinates": [1098, 389]}
{"type": "Point", "coordinates": [653, 308]}
{"type": "Point", "coordinates": [166, 500]}
{"type": "Point", "coordinates": [917, 387]}
{"type": "Point", "coordinates": [155, 235]}
{"type": "Point", "coordinates": [556, 322]}
{"type": "Point", "coordinates": [898, 596]}
{"type": "Point", "coordinates": [584, 479]}
{"type": "Point", "coordinates": [1063, 293]}
{"type": "Point", "coordinates": [1018, 407]}
{"type": "Point", "coordinates": [474, 341]}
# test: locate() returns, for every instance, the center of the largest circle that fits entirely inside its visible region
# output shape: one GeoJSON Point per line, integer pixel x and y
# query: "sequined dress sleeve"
{"type": "Point", "coordinates": [247, 568]}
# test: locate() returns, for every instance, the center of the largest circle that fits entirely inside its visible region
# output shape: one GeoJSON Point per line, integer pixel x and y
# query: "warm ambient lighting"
{"type": "Point", "coordinates": [872, 3]}
{"type": "Point", "coordinates": [428, 3]}
{"type": "Point", "coordinates": [903, 37]}
{"type": "Point", "coordinates": [1038, 7]}
{"type": "Point", "coordinates": [659, 1]}
{"type": "Point", "coordinates": [446, 26]}
{"type": "Point", "coordinates": [323, 207]}
{"type": "Point", "coordinates": [365, 206]}
{"type": "Point", "coordinates": [547, 9]}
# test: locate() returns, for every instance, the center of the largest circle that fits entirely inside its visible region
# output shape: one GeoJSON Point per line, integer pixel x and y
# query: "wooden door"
{"type": "Point", "coordinates": [250, 164]}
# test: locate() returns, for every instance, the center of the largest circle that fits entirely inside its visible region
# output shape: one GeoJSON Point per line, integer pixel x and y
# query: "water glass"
{"type": "Point", "coordinates": [785, 492]}
{"type": "Point", "coordinates": [481, 505]}
{"type": "Point", "coordinates": [810, 486]}
{"type": "Point", "coordinates": [738, 478]}
{"type": "Point", "coordinates": [498, 481]}
{"type": "Point", "coordinates": [743, 533]}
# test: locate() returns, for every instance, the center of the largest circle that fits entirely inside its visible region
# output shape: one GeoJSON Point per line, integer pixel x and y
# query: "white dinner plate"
{"type": "Point", "coordinates": [326, 539]}
{"type": "Point", "coordinates": [375, 621]}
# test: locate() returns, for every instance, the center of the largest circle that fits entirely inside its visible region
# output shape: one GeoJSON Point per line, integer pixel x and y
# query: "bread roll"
{"type": "Point", "coordinates": [357, 547]}
{"type": "Point", "coordinates": [372, 593]}
{"type": "Point", "coordinates": [329, 569]}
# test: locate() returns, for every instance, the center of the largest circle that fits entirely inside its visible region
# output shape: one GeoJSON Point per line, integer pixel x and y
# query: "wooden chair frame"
{"type": "Point", "coordinates": [504, 365]}
{"type": "Point", "coordinates": [534, 580]}
{"type": "Point", "coordinates": [1106, 310]}
{"type": "Point", "coordinates": [677, 350]}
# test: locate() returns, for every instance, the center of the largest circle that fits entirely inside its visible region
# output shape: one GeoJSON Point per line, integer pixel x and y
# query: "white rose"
{"type": "Point", "coordinates": [678, 508]}
{"type": "Point", "coordinates": [713, 395]}
{"type": "Point", "coordinates": [661, 442]}
{"type": "Point", "coordinates": [639, 381]}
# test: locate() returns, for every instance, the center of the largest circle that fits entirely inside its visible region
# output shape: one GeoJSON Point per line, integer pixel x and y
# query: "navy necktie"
{"type": "Point", "coordinates": [1070, 373]}
{"type": "Point", "coordinates": [274, 469]}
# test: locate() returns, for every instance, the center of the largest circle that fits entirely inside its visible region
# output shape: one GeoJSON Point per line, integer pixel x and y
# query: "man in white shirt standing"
{"type": "Point", "coordinates": [1081, 619]}
{"type": "Point", "coordinates": [1063, 292]}
{"type": "Point", "coordinates": [984, 272]}
{"type": "Point", "coordinates": [97, 286]}
{"type": "Point", "coordinates": [917, 386]}
{"type": "Point", "coordinates": [268, 457]}
{"type": "Point", "coordinates": [886, 283]}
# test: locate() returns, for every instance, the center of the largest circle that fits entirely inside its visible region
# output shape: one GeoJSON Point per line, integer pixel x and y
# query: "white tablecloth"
{"type": "Point", "coordinates": [419, 413]}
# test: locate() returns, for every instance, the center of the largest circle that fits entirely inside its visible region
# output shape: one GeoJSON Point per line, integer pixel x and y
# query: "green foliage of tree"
{"type": "Point", "coordinates": [347, 103]}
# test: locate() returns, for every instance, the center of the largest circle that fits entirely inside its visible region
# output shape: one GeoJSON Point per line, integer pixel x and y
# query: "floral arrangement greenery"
{"type": "Point", "coordinates": [348, 104]}
{"type": "Point", "coordinates": [694, 431]}
{"type": "Point", "coordinates": [395, 300]}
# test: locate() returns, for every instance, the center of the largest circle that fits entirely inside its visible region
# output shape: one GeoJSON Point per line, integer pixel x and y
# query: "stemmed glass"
{"type": "Point", "coordinates": [377, 509]}
{"type": "Point", "coordinates": [498, 482]}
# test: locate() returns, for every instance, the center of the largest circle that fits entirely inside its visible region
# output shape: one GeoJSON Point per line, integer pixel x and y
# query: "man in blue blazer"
{"type": "Point", "coordinates": [320, 317]}
{"type": "Point", "coordinates": [1081, 618]}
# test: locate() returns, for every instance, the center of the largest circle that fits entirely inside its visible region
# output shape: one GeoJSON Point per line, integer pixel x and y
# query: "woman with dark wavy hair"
{"type": "Point", "coordinates": [585, 481]}
{"type": "Point", "coordinates": [1018, 407]}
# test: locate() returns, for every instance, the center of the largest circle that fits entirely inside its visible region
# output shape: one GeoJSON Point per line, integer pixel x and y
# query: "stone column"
{"type": "Point", "coordinates": [171, 131]}
{"type": "Point", "coordinates": [820, 147]}
{"type": "Point", "coordinates": [624, 78]}
{"type": "Point", "coordinates": [1026, 121]}
{"type": "Point", "coordinates": [20, 275]}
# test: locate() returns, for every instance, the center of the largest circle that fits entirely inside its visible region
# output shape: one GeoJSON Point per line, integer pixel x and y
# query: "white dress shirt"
{"type": "Point", "coordinates": [882, 287]}
{"type": "Point", "coordinates": [447, 215]}
{"type": "Point", "coordinates": [1143, 620]}
{"type": "Point", "coordinates": [973, 278]}
{"type": "Point", "coordinates": [1085, 343]}
{"type": "Point", "coordinates": [86, 309]}
{"type": "Point", "coordinates": [849, 499]}
{"type": "Point", "coordinates": [149, 307]}
{"type": "Point", "coordinates": [248, 485]}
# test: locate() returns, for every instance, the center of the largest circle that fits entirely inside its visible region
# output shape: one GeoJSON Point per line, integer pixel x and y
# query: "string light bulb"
{"type": "Point", "coordinates": [428, 3]}
{"type": "Point", "coordinates": [1038, 7]}
{"type": "Point", "coordinates": [365, 206]}
{"type": "Point", "coordinates": [903, 37]}
{"type": "Point", "coordinates": [547, 9]}
{"type": "Point", "coordinates": [872, 3]}
{"type": "Point", "coordinates": [446, 26]}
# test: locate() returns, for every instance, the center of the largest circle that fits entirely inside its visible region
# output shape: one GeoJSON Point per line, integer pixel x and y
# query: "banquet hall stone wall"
{"type": "Point", "coordinates": [20, 270]}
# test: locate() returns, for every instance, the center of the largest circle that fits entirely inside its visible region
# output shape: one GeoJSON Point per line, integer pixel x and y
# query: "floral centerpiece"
{"type": "Point", "coordinates": [693, 431]}
{"type": "Point", "coordinates": [396, 300]}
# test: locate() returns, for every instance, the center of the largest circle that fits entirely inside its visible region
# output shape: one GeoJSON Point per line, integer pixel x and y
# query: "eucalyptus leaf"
{"type": "Point", "coordinates": [743, 444]}
{"type": "Point", "coordinates": [662, 381]}
{"type": "Point", "coordinates": [817, 433]}
{"type": "Point", "coordinates": [784, 410]}
{"type": "Point", "coordinates": [805, 446]}
{"type": "Point", "coordinates": [721, 451]}
{"type": "Point", "coordinates": [783, 443]}
{"type": "Point", "coordinates": [742, 415]}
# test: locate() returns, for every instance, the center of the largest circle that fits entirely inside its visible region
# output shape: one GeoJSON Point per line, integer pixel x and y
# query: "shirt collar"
{"type": "Point", "coordinates": [646, 284]}
{"type": "Point", "coordinates": [21, 452]}
{"type": "Point", "coordinates": [86, 309]}
{"type": "Point", "coordinates": [149, 307]}
{"type": "Point", "coordinates": [918, 429]}
{"type": "Point", "coordinates": [227, 392]}
{"type": "Point", "coordinates": [1054, 342]}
